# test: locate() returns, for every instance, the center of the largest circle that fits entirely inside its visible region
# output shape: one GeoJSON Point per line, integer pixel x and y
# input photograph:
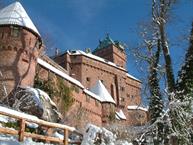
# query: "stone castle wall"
{"type": "Point", "coordinates": [18, 60]}
{"type": "Point", "coordinates": [85, 109]}
{"type": "Point", "coordinates": [19, 50]}
{"type": "Point", "coordinates": [124, 90]}
{"type": "Point", "coordinates": [113, 54]}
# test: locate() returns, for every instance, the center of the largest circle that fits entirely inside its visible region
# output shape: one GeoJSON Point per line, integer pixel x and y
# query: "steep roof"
{"type": "Point", "coordinates": [15, 14]}
{"type": "Point", "coordinates": [105, 42]}
{"type": "Point", "coordinates": [100, 90]}
{"type": "Point", "coordinates": [120, 115]}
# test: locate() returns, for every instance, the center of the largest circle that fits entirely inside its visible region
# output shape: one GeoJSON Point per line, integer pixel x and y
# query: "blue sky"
{"type": "Point", "coordinates": [79, 24]}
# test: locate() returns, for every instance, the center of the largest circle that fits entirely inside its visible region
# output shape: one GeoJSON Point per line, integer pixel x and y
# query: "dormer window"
{"type": "Point", "coordinates": [15, 31]}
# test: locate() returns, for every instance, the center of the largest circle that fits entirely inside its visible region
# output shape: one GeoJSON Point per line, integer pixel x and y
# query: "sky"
{"type": "Point", "coordinates": [79, 24]}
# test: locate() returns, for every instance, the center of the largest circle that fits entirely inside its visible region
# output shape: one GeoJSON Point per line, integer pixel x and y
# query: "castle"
{"type": "Point", "coordinates": [103, 90]}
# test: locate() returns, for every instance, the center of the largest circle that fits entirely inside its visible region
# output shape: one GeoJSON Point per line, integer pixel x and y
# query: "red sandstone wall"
{"type": "Point", "coordinates": [85, 109]}
{"type": "Point", "coordinates": [119, 57]}
{"type": "Point", "coordinates": [113, 54]}
{"type": "Point", "coordinates": [125, 90]}
{"type": "Point", "coordinates": [18, 57]}
{"type": "Point", "coordinates": [88, 71]}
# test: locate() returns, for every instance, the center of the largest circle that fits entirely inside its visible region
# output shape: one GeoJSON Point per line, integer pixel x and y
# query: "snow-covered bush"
{"type": "Point", "coordinates": [100, 136]}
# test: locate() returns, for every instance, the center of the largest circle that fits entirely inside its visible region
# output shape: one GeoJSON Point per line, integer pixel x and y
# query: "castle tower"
{"type": "Point", "coordinates": [108, 103]}
{"type": "Point", "coordinates": [112, 51]}
{"type": "Point", "coordinates": [20, 45]}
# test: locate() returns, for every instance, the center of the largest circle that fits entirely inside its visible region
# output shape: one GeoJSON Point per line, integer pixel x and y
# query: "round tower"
{"type": "Point", "coordinates": [20, 45]}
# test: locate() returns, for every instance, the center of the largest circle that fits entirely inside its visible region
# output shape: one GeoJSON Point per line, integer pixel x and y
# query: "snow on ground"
{"type": "Point", "coordinates": [11, 140]}
{"type": "Point", "coordinates": [99, 135]}
{"type": "Point", "coordinates": [92, 135]}
{"type": "Point", "coordinates": [17, 113]}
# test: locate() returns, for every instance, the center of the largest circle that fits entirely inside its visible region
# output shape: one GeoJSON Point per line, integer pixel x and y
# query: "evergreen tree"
{"type": "Point", "coordinates": [184, 92]}
{"type": "Point", "coordinates": [185, 76]}
{"type": "Point", "coordinates": [156, 104]}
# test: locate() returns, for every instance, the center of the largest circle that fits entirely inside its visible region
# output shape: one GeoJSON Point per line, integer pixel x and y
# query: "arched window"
{"type": "Point", "coordinates": [15, 31]}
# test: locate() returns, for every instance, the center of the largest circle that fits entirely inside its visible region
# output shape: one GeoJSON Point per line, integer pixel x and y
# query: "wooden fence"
{"type": "Point", "coordinates": [47, 138]}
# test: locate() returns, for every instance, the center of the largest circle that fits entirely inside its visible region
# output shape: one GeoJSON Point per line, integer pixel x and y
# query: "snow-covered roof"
{"type": "Point", "coordinates": [15, 14]}
{"type": "Point", "coordinates": [58, 72]}
{"type": "Point", "coordinates": [130, 76]}
{"type": "Point", "coordinates": [105, 96]}
{"type": "Point", "coordinates": [93, 95]}
{"type": "Point", "coordinates": [121, 115]}
{"type": "Point", "coordinates": [90, 55]}
{"type": "Point", "coordinates": [134, 107]}
{"type": "Point", "coordinates": [117, 117]}
{"type": "Point", "coordinates": [100, 90]}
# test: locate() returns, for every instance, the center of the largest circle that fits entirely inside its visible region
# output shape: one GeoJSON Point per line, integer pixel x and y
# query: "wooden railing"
{"type": "Point", "coordinates": [47, 138]}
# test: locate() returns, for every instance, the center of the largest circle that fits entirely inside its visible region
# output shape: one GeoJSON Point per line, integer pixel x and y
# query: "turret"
{"type": "Point", "coordinates": [20, 45]}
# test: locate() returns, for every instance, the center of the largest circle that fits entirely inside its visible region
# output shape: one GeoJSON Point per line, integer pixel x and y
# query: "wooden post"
{"type": "Point", "coordinates": [65, 137]}
{"type": "Point", "coordinates": [49, 133]}
{"type": "Point", "coordinates": [22, 130]}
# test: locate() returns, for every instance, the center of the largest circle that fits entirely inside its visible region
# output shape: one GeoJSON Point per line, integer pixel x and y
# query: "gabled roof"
{"type": "Point", "coordinates": [100, 90]}
{"type": "Point", "coordinates": [15, 14]}
{"type": "Point", "coordinates": [120, 115]}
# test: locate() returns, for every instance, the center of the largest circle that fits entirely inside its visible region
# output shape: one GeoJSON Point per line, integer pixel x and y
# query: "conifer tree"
{"type": "Point", "coordinates": [156, 104]}
{"type": "Point", "coordinates": [184, 90]}
{"type": "Point", "coordinates": [185, 76]}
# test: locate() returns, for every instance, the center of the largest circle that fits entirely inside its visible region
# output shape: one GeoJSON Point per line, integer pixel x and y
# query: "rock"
{"type": "Point", "coordinates": [36, 102]}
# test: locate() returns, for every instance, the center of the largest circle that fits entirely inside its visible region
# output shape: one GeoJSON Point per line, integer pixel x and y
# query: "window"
{"type": "Point", "coordinates": [122, 99]}
{"type": "Point", "coordinates": [15, 31]}
{"type": "Point", "coordinates": [87, 79]}
{"type": "Point", "coordinates": [2, 35]}
{"type": "Point", "coordinates": [122, 89]}
{"type": "Point", "coordinates": [30, 41]}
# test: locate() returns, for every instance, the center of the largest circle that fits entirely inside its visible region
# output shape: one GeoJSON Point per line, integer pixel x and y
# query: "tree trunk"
{"type": "Point", "coordinates": [168, 62]}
